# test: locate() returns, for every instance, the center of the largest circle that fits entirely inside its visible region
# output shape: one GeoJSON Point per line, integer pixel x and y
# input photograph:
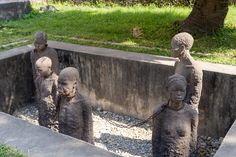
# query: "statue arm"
{"type": "Point", "coordinates": [32, 59]}
{"type": "Point", "coordinates": [55, 92]}
{"type": "Point", "coordinates": [57, 98]}
{"type": "Point", "coordinates": [196, 87]}
{"type": "Point", "coordinates": [194, 126]}
{"type": "Point", "coordinates": [88, 123]}
{"type": "Point", "coordinates": [156, 136]}
{"type": "Point", "coordinates": [55, 65]}
{"type": "Point", "coordinates": [57, 104]}
{"type": "Point", "coordinates": [37, 86]}
{"type": "Point", "coordinates": [176, 65]}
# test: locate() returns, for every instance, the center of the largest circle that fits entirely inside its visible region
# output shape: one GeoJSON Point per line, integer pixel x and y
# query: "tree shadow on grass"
{"type": "Point", "coordinates": [104, 25]}
{"type": "Point", "coordinates": [158, 28]}
{"type": "Point", "coordinates": [115, 25]}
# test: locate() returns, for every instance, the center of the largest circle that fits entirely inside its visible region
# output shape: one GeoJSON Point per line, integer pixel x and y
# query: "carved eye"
{"type": "Point", "coordinates": [62, 83]}
{"type": "Point", "coordinates": [167, 132]}
{"type": "Point", "coordinates": [181, 133]}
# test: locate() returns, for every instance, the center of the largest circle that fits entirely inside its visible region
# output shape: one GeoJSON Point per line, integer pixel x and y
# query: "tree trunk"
{"type": "Point", "coordinates": [207, 16]}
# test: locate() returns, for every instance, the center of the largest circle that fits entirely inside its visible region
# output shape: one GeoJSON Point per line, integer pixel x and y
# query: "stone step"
{"type": "Point", "coordinates": [37, 141]}
{"type": "Point", "coordinates": [228, 146]}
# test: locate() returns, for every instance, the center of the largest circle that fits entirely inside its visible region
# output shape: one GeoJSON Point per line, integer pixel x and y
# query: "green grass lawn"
{"type": "Point", "coordinates": [111, 27]}
{"type": "Point", "coordinates": [6, 151]}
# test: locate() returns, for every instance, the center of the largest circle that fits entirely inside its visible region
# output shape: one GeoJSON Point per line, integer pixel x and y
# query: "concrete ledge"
{"type": "Point", "coordinates": [37, 141]}
{"type": "Point", "coordinates": [133, 56]}
{"type": "Point", "coordinates": [105, 52]}
{"type": "Point", "coordinates": [24, 50]}
{"type": "Point", "coordinates": [14, 8]}
{"type": "Point", "coordinates": [228, 146]}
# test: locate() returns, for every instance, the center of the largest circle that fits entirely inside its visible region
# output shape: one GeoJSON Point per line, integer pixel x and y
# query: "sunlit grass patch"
{"type": "Point", "coordinates": [145, 29]}
{"type": "Point", "coordinates": [7, 151]}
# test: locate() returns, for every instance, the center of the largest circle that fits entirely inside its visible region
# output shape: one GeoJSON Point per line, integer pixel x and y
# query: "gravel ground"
{"type": "Point", "coordinates": [112, 133]}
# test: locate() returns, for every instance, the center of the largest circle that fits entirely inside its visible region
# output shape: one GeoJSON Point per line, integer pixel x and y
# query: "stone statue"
{"type": "Point", "coordinates": [42, 49]}
{"type": "Point", "coordinates": [46, 87]}
{"type": "Point", "coordinates": [75, 112]}
{"type": "Point", "coordinates": [174, 131]}
{"type": "Point", "coordinates": [181, 44]}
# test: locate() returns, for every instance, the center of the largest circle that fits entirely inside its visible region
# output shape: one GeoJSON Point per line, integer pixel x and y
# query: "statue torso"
{"type": "Point", "coordinates": [71, 116]}
{"type": "Point", "coordinates": [174, 131]}
{"type": "Point", "coordinates": [47, 88]}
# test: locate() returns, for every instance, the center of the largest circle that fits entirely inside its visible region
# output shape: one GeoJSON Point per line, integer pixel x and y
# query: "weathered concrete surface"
{"type": "Point", "coordinates": [36, 1]}
{"type": "Point", "coordinates": [134, 84]}
{"type": "Point", "coordinates": [125, 82]}
{"type": "Point", "coordinates": [37, 141]}
{"type": "Point", "coordinates": [16, 83]}
{"type": "Point", "coordinates": [14, 8]}
{"type": "Point", "coordinates": [228, 146]}
{"type": "Point", "coordinates": [116, 80]}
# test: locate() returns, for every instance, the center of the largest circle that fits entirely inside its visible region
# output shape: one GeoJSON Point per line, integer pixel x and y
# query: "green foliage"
{"type": "Point", "coordinates": [7, 151]}
{"type": "Point", "coordinates": [115, 26]}
{"type": "Point", "coordinates": [132, 2]}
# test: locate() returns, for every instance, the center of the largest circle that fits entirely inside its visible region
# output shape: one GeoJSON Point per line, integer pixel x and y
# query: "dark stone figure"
{"type": "Point", "coordinates": [46, 87]}
{"type": "Point", "coordinates": [174, 131]}
{"type": "Point", "coordinates": [181, 44]}
{"type": "Point", "coordinates": [75, 112]}
{"type": "Point", "coordinates": [42, 49]}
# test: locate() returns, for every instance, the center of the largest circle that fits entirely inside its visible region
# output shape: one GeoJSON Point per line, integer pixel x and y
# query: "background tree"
{"type": "Point", "coordinates": [207, 16]}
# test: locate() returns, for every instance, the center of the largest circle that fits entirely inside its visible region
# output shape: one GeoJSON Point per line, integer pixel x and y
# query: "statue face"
{"type": "Point", "coordinates": [39, 45]}
{"type": "Point", "coordinates": [177, 50]}
{"type": "Point", "coordinates": [44, 70]}
{"type": "Point", "coordinates": [177, 92]}
{"type": "Point", "coordinates": [66, 88]}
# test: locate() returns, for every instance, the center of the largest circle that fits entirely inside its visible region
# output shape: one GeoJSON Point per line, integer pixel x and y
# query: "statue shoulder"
{"type": "Point", "coordinates": [177, 63]}
{"type": "Point", "coordinates": [81, 99]}
{"type": "Point", "coordinates": [192, 110]}
{"type": "Point", "coordinates": [197, 73]}
{"type": "Point", "coordinates": [38, 78]}
{"type": "Point", "coordinates": [51, 50]}
{"type": "Point", "coordinates": [198, 67]}
{"type": "Point", "coordinates": [54, 76]}
{"type": "Point", "coordinates": [32, 54]}
{"type": "Point", "coordinates": [160, 108]}
{"type": "Point", "coordinates": [38, 81]}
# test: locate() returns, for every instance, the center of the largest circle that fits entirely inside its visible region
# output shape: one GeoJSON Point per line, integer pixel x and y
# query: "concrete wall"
{"type": "Point", "coordinates": [37, 1]}
{"type": "Point", "coordinates": [218, 103]}
{"type": "Point", "coordinates": [16, 84]}
{"type": "Point", "coordinates": [120, 85]}
{"type": "Point", "coordinates": [128, 83]}
{"type": "Point", "coordinates": [134, 84]}
{"type": "Point", "coordinates": [14, 8]}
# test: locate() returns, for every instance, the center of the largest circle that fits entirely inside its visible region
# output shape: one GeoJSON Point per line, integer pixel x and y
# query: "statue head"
{"type": "Point", "coordinates": [68, 82]}
{"type": "Point", "coordinates": [43, 66]}
{"type": "Point", "coordinates": [176, 86]}
{"type": "Point", "coordinates": [40, 41]}
{"type": "Point", "coordinates": [181, 43]}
